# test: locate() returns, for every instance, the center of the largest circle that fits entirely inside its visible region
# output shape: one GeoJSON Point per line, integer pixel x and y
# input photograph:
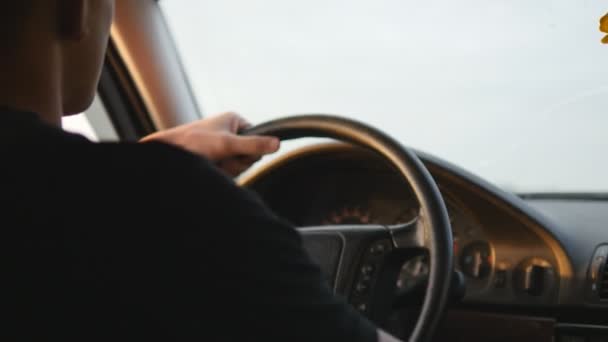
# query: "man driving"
{"type": "Point", "coordinates": [168, 246]}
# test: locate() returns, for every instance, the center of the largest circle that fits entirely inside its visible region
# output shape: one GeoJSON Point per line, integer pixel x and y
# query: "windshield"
{"type": "Point", "coordinates": [515, 91]}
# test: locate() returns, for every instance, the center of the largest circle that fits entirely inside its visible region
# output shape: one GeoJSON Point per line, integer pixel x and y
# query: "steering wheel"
{"type": "Point", "coordinates": [365, 260]}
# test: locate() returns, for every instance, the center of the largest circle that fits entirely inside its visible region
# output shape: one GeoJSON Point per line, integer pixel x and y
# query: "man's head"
{"type": "Point", "coordinates": [54, 44]}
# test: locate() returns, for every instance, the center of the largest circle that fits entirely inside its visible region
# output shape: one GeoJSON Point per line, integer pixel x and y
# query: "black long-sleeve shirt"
{"type": "Point", "coordinates": [126, 240]}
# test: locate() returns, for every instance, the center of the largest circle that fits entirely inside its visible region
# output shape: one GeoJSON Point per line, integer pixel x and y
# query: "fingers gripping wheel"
{"type": "Point", "coordinates": [430, 231]}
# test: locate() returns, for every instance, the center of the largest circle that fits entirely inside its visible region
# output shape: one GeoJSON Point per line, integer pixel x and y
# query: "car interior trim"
{"type": "Point", "coordinates": [141, 36]}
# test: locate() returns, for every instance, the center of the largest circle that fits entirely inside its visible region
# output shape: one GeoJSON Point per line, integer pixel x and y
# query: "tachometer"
{"type": "Point", "coordinates": [349, 215]}
{"type": "Point", "coordinates": [476, 260]}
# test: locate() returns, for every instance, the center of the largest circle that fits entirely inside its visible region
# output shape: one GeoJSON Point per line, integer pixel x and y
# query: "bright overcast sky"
{"type": "Point", "coordinates": [513, 90]}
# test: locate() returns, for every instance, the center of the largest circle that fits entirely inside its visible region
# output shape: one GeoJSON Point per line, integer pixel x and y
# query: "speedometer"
{"type": "Point", "coordinates": [380, 212]}
{"type": "Point", "coordinates": [349, 215]}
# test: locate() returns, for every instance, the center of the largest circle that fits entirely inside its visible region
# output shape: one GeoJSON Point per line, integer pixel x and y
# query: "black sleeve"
{"type": "Point", "coordinates": [144, 241]}
{"type": "Point", "coordinates": [238, 272]}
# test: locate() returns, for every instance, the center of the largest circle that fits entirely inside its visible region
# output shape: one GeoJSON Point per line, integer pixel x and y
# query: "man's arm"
{"type": "Point", "coordinates": [216, 138]}
{"type": "Point", "coordinates": [234, 259]}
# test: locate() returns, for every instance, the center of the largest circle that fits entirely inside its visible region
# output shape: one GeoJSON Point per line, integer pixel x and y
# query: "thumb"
{"type": "Point", "coordinates": [253, 145]}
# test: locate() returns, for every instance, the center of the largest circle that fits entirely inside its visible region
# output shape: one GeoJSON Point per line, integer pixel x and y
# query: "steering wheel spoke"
{"type": "Point", "coordinates": [340, 250]}
{"type": "Point", "coordinates": [410, 235]}
{"type": "Point", "coordinates": [363, 262]}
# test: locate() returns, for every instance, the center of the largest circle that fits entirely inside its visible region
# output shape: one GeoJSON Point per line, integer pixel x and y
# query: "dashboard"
{"type": "Point", "coordinates": [515, 255]}
{"type": "Point", "coordinates": [504, 258]}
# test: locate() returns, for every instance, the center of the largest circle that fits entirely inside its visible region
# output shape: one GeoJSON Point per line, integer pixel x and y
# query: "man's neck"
{"type": "Point", "coordinates": [32, 84]}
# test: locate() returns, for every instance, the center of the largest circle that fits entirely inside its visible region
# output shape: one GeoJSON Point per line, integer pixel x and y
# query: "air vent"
{"type": "Point", "coordinates": [603, 282]}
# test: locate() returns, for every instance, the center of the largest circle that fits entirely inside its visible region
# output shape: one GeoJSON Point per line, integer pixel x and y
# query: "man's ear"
{"type": "Point", "coordinates": [72, 18]}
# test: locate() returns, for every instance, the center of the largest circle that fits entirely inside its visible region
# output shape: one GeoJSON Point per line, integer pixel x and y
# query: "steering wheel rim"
{"type": "Point", "coordinates": [433, 212]}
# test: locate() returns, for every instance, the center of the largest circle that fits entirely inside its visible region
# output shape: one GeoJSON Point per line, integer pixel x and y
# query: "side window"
{"type": "Point", "coordinates": [95, 123]}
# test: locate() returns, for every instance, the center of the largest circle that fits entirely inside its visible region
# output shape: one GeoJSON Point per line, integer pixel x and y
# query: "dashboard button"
{"type": "Point", "coordinates": [476, 260]}
{"type": "Point", "coordinates": [534, 280]}
{"type": "Point", "coordinates": [367, 269]}
{"type": "Point", "coordinates": [500, 280]}
{"type": "Point", "coordinates": [598, 260]}
{"type": "Point", "coordinates": [595, 267]}
{"type": "Point", "coordinates": [361, 287]}
{"type": "Point", "coordinates": [378, 249]}
{"type": "Point", "coordinates": [362, 307]}
{"type": "Point", "coordinates": [535, 277]}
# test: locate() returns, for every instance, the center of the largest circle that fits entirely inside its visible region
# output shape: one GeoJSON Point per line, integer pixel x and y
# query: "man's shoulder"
{"type": "Point", "coordinates": [119, 166]}
{"type": "Point", "coordinates": [163, 168]}
{"type": "Point", "coordinates": [154, 177]}
{"type": "Point", "coordinates": [158, 165]}
{"type": "Point", "coordinates": [152, 157]}
{"type": "Point", "coordinates": [52, 163]}
{"type": "Point", "coordinates": [31, 144]}
{"type": "Point", "coordinates": [139, 155]}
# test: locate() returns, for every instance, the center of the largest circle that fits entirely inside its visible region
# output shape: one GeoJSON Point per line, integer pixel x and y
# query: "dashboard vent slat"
{"type": "Point", "coordinates": [603, 286]}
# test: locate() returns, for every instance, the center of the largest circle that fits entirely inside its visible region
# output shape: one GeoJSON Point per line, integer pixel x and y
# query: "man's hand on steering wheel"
{"type": "Point", "coordinates": [217, 139]}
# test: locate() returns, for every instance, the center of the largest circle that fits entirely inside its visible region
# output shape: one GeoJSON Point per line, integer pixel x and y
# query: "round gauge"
{"type": "Point", "coordinates": [535, 277]}
{"type": "Point", "coordinates": [347, 215]}
{"type": "Point", "coordinates": [476, 260]}
{"type": "Point", "coordinates": [412, 272]}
